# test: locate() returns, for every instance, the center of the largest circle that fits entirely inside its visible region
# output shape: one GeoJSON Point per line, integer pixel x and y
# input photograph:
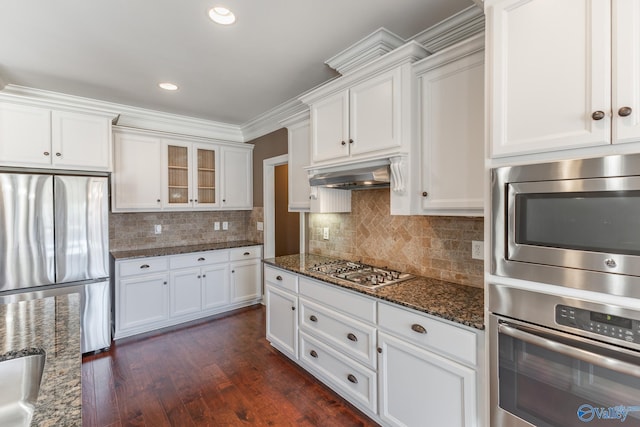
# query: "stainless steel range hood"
{"type": "Point", "coordinates": [354, 179]}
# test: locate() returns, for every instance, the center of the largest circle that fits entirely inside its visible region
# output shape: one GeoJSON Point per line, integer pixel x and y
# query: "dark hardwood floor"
{"type": "Point", "coordinates": [216, 373]}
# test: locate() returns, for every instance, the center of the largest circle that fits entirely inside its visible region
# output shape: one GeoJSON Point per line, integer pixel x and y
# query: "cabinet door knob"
{"type": "Point", "coordinates": [46, 153]}
{"type": "Point", "coordinates": [199, 277]}
{"type": "Point", "coordinates": [58, 155]}
{"type": "Point", "coordinates": [624, 111]}
{"type": "Point", "coordinates": [204, 275]}
{"type": "Point", "coordinates": [201, 259]}
{"type": "Point", "coordinates": [350, 141]}
{"type": "Point", "coordinates": [190, 200]}
{"type": "Point", "coordinates": [352, 337]}
{"type": "Point", "coordinates": [352, 378]}
{"type": "Point", "coordinates": [293, 309]}
{"type": "Point", "coordinates": [313, 318]}
{"type": "Point", "coordinates": [380, 350]}
{"type": "Point", "coordinates": [143, 266]}
{"type": "Point", "coordinates": [313, 354]}
{"type": "Point", "coordinates": [598, 115]}
{"type": "Point", "coordinates": [233, 271]}
{"type": "Point", "coordinates": [343, 143]}
{"type": "Point", "coordinates": [418, 328]}
{"type": "Point", "coordinates": [158, 200]}
{"type": "Point", "coordinates": [195, 200]}
{"type": "Point", "coordinates": [224, 200]}
{"type": "Point", "coordinates": [425, 194]}
{"type": "Point", "coordinates": [164, 283]}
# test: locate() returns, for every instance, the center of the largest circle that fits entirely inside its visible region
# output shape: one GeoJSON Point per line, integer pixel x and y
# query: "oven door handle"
{"type": "Point", "coordinates": [573, 352]}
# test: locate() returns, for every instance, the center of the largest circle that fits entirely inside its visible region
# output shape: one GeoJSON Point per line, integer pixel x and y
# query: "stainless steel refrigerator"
{"type": "Point", "coordinates": [54, 239]}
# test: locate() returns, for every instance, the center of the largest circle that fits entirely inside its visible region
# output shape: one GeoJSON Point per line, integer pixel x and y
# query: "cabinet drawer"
{"type": "Point", "coordinates": [142, 266]}
{"type": "Point", "coordinates": [198, 259]}
{"type": "Point", "coordinates": [348, 302]}
{"type": "Point", "coordinates": [429, 333]}
{"type": "Point", "coordinates": [351, 337]}
{"type": "Point", "coordinates": [248, 252]}
{"type": "Point", "coordinates": [355, 382]}
{"type": "Point", "coordinates": [281, 279]}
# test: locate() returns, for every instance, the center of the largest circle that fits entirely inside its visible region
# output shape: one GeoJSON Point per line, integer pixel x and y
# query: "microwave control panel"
{"type": "Point", "coordinates": [621, 328]}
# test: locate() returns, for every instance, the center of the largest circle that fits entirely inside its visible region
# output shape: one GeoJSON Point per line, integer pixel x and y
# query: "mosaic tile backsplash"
{"type": "Point", "coordinates": [430, 246]}
{"type": "Point", "coordinates": [136, 230]}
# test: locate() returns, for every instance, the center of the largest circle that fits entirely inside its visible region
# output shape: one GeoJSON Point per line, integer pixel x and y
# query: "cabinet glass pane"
{"type": "Point", "coordinates": [206, 176]}
{"type": "Point", "coordinates": [178, 165]}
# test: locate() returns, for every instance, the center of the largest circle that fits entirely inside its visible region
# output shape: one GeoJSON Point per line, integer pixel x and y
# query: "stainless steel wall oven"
{"type": "Point", "coordinates": [573, 223]}
{"type": "Point", "coordinates": [572, 362]}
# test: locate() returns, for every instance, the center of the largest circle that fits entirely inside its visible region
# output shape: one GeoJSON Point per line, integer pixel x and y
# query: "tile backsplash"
{"type": "Point", "coordinates": [136, 230]}
{"type": "Point", "coordinates": [430, 246]}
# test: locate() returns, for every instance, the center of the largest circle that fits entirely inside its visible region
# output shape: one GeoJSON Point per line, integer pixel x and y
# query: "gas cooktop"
{"type": "Point", "coordinates": [361, 274]}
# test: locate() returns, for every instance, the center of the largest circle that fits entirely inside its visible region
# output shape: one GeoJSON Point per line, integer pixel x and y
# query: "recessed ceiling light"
{"type": "Point", "coordinates": [222, 15]}
{"type": "Point", "coordinates": [168, 86]}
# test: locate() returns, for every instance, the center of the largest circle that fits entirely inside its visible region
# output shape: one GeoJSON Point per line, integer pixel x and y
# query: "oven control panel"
{"type": "Point", "coordinates": [599, 323]}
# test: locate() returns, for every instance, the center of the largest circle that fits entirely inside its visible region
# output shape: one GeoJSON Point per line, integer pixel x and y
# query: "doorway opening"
{"type": "Point", "coordinates": [287, 224]}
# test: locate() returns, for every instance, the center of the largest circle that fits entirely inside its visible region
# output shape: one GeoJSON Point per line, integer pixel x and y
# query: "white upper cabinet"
{"type": "Point", "coordinates": [136, 181]}
{"type": "Point", "coordinates": [237, 177]}
{"type": "Point", "coordinates": [451, 86]}
{"type": "Point", "coordinates": [562, 75]}
{"type": "Point", "coordinates": [41, 137]}
{"type": "Point", "coordinates": [153, 172]}
{"type": "Point", "coordinates": [360, 120]}
{"type": "Point", "coordinates": [299, 144]}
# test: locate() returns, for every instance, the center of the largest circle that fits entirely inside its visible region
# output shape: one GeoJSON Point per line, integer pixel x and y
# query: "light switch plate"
{"type": "Point", "coordinates": [260, 225]}
{"type": "Point", "coordinates": [225, 225]}
{"type": "Point", "coordinates": [216, 226]}
{"type": "Point", "coordinates": [157, 229]}
{"type": "Point", "coordinates": [477, 249]}
{"type": "Point", "coordinates": [325, 233]}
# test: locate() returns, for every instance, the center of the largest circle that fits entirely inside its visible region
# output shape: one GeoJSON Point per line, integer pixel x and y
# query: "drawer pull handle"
{"type": "Point", "coordinates": [201, 259]}
{"type": "Point", "coordinates": [279, 278]}
{"type": "Point", "coordinates": [352, 378]}
{"type": "Point", "coordinates": [352, 337]}
{"type": "Point", "coordinates": [313, 318]}
{"type": "Point", "coordinates": [418, 328]}
{"type": "Point", "coordinates": [313, 354]}
{"type": "Point", "coordinates": [144, 266]}
{"type": "Point", "coordinates": [247, 253]}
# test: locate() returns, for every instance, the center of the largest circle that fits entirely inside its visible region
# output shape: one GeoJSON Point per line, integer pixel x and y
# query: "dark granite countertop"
{"type": "Point", "coordinates": [175, 250]}
{"type": "Point", "coordinates": [458, 303]}
{"type": "Point", "coordinates": [53, 325]}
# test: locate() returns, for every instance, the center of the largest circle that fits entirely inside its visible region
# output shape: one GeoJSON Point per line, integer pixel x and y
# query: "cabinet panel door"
{"type": "Point", "coordinates": [299, 149]}
{"type": "Point", "coordinates": [550, 70]}
{"type": "Point", "coordinates": [282, 320]}
{"type": "Point", "coordinates": [215, 286]}
{"type": "Point", "coordinates": [176, 174]}
{"type": "Point", "coordinates": [420, 388]}
{"type": "Point", "coordinates": [25, 135]}
{"type": "Point", "coordinates": [143, 301]}
{"type": "Point", "coordinates": [80, 141]}
{"type": "Point", "coordinates": [374, 112]}
{"type": "Point", "coordinates": [626, 63]}
{"type": "Point", "coordinates": [206, 176]}
{"type": "Point", "coordinates": [237, 167]}
{"type": "Point", "coordinates": [330, 128]}
{"type": "Point", "coordinates": [246, 280]}
{"type": "Point", "coordinates": [136, 177]}
{"type": "Point", "coordinates": [186, 292]}
{"type": "Point", "coordinates": [452, 101]}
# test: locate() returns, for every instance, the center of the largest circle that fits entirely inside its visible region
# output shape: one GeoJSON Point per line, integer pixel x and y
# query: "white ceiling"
{"type": "Point", "coordinates": [118, 50]}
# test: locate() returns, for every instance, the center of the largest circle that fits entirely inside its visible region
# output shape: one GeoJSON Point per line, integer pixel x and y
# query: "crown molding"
{"type": "Point", "coordinates": [301, 117]}
{"type": "Point", "coordinates": [452, 30]}
{"type": "Point", "coordinates": [465, 48]}
{"type": "Point", "coordinates": [272, 120]}
{"type": "Point", "coordinates": [365, 50]}
{"type": "Point", "coordinates": [123, 115]}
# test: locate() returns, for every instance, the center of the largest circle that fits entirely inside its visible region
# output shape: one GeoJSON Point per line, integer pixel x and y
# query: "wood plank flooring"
{"type": "Point", "coordinates": [221, 372]}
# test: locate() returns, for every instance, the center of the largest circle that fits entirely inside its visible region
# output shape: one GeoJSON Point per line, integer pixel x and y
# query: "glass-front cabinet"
{"type": "Point", "coordinates": [190, 175]}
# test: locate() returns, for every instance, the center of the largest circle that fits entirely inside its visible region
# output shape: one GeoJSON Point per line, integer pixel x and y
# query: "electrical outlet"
{"type": "Point", "coordinates": [477, 249]}
{"type": "Point", "coordinates": [225, 225]}
{"type": "Point", "coordinates": [325, 233]}
{"type": "Point", "coordinates": [157, 228]}
{"type": "Point", "coordinates": [216, 226]}
{"type": "Point", "coordinates": [260, 225]}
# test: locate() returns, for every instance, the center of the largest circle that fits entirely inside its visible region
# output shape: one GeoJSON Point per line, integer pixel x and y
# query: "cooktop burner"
{"type": "Point", "coordinates": [361, 274]}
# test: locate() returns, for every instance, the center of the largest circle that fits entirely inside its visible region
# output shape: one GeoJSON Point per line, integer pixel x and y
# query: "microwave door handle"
{"type": "Point", "coordinates": [573, 352]}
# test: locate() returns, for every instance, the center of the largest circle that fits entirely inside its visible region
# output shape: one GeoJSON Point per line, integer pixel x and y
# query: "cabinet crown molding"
{"type": "Point", "coordinates": [458, 27]}
{"type": "Point", "coordinates": [367, 49]}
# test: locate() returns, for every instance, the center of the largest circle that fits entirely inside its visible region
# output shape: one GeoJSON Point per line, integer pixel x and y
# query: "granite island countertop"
{"type": "Point", "coordinates": [184, 249]}
{"type": "Point", "coordinates": [458, 303]}
{"type": "Point", "coordinates": [53, 325]}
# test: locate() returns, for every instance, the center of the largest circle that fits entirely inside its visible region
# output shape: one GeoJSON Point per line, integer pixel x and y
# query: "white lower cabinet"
{"type": "Point", "coordinates": [399, 366]}
{"type": "Point", "coordinates": [246, 274]}
{"type": "Point", "coordinates": [156, 292]}
{"type": "Point", "coordinates": [421, 388]}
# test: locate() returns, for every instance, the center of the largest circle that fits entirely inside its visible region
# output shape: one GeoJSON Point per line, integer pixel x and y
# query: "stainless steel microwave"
{"type": "Point", "coordinates": [573, 223]}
